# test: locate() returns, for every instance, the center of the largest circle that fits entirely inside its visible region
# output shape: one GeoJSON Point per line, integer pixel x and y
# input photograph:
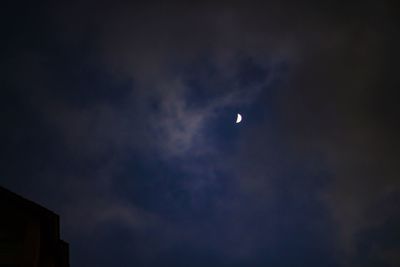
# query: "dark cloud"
{"type": "Point", "coordinates": [120, 118]}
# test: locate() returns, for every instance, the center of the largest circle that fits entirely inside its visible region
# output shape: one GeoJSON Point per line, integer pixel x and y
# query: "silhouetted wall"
{"type": "Point", "coordinates": [29, 234]}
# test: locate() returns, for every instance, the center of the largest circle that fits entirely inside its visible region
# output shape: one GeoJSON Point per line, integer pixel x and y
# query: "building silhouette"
{"type": "Point", "coordinates": [29, 234]}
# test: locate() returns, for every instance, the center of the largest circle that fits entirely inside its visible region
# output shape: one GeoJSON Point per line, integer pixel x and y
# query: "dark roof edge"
{"type": "Point", "coordinates": [9, 194]}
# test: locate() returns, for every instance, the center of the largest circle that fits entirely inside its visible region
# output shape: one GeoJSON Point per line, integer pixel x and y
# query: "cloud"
{"type": "Point", "coordinates": [327, 134]}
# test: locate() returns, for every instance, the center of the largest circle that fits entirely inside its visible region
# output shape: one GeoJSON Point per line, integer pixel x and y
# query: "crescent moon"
{"type": "Point", "coordinates": [239, 118]}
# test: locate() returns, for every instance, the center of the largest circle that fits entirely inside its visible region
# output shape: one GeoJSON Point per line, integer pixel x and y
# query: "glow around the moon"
{"type": "Point", "coordinates": [239, 118]}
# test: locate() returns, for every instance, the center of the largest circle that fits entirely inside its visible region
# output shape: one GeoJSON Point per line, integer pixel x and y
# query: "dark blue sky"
{"type": "Point", "coordinates": [121, 119]}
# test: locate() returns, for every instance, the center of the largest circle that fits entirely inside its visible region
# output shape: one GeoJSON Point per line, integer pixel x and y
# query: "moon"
{"type": "Point", "coordinates": [239, 118]}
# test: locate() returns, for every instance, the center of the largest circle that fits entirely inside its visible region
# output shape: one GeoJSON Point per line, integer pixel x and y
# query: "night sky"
{"type": "Point", "coordinates": [120, 117]}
